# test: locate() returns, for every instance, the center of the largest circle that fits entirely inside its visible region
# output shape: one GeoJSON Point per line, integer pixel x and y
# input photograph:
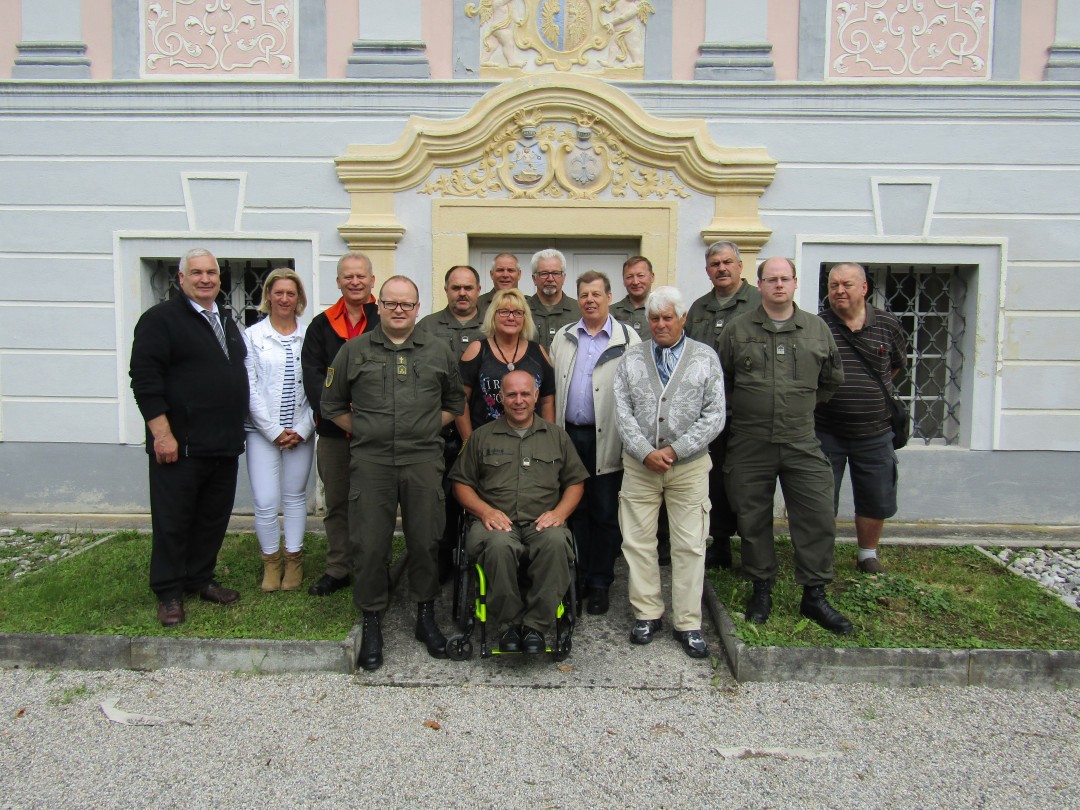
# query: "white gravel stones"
{"type": "Point", "coordinates": [1056, 569]}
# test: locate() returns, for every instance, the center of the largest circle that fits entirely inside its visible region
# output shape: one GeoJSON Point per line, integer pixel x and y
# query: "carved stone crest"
{"type": "Point", "coordinates": [562, 35]}
{"type": "Point", "coordinates": [577, 159]}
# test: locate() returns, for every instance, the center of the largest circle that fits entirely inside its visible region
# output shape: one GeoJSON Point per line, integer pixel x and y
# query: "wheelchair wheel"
{"type": "Point", "coordinates": [459, 648]}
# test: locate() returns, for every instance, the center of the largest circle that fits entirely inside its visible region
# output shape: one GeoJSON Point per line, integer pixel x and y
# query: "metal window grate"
{"type": "Point", "coordinates": [929, 301]}
{"type": "Point", "coordinates": [241, 284]}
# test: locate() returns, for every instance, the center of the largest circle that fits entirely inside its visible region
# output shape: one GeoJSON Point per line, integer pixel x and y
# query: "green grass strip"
{"type": "Point", "coordinates": [943, 597]}
{"type": "Point", "coordinates": [105, 591]}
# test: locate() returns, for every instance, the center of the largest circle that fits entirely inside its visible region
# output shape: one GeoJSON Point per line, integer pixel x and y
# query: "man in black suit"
{"type": "Point", "coordinates": [188, 377]}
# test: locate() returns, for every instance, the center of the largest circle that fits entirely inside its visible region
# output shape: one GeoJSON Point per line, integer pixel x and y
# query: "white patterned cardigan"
{"type": "Point", "coordinates": [687, 413]}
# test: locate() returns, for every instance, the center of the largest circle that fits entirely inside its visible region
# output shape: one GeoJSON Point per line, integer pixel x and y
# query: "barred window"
{"type": "Point", "coordinates": [241, 283]}
{"type": "Point", "coordinates": [929, 300]}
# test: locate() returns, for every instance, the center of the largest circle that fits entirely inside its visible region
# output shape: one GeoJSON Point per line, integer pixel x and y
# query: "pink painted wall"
{"type": "Point", "coordinates": [1038, 19]}
{"type": "Point", "coordinates": [687, 34]}
{"type": "Point", "coordinates": [784, 36]}
{"type": "Point", "coordinates": [437, 28]}
{"type": "Point", "coordinates": [97, 34]}
{"type": "Point", "coordinates": [10, 33]}
{"type": "Point", "coordinates": [342, 30]}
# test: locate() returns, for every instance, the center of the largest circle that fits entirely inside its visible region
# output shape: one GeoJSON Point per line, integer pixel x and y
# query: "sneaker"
{"type": "Point", "coordinates": [643, 630]}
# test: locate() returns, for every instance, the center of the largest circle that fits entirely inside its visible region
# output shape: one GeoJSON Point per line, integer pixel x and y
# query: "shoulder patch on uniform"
{"type": "Point", "coordinates": [329, 376]}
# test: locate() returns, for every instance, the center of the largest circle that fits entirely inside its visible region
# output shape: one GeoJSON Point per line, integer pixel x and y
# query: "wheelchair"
{"type": "Point", "coordinates": [470, 606]}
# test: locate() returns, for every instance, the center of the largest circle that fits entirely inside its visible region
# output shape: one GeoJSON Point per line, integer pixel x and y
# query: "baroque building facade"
{"type": "Point", "coordinates": [934, 142]}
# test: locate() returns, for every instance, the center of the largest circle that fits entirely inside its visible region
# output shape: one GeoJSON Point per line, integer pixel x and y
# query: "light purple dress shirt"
{"type": "Point", "coordinates": [579, 397]}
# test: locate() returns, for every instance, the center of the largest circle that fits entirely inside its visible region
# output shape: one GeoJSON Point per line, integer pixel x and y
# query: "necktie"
{"type": "Point", "coordinates": [219, 333]}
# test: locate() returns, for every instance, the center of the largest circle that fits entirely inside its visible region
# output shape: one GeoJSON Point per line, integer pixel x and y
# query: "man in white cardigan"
{"type": "Point", "coordinates": [669, 399]}
{"type": "Point", "coordinates": [585, 355]}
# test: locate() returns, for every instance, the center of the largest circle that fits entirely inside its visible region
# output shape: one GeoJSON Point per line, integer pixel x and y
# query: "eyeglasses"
{"type": "Point", "coordinates": [778, 280]}
{"type": "Point", "coordinates": [404, 306]}
{"type": "Point", "coordinates": [551, 274]}
{"type": "Point", "coordinates": [510, 313]}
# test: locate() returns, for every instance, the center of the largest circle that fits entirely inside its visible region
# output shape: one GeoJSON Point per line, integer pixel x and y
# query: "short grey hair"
{"type": "Point", "coordinates": [195, 253]}
{"type": "Point", "coordinates": [856, 265]}
{"type": "Point", "coordinates": [549, 253]}
{"type": "Point", "coordinates": [663, 297]}
{"type": "Point", "coordinates": [716, 247]}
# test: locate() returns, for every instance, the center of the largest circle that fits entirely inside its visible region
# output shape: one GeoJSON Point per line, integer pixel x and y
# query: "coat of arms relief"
{"type": "Point", "coordinates": [526, 36]}
{"type": "Point", "coordinates": [578, 159]}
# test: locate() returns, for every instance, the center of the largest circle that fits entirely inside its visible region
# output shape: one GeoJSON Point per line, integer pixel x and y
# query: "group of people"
{"type": "Point", "coordinates": [628, 424]}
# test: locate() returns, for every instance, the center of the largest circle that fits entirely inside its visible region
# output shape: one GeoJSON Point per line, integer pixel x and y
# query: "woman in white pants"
{"type": "Point", "coordinates": [281, 429]}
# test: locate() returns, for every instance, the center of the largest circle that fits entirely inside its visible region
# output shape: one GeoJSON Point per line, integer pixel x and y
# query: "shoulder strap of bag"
{"type": "Point", "coordinates": [866, 364]}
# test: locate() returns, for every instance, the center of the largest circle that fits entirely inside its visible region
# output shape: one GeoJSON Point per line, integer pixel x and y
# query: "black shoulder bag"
{"type": "Point", "coordinates": [898, 412]}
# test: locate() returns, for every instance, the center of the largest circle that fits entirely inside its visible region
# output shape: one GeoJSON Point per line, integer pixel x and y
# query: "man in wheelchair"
{"type": "Point", "coordinates": [521, 478]}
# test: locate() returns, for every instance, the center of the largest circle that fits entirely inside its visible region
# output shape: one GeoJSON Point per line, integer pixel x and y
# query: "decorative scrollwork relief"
{"type": "Point", "coordinates": [562, 35]}
{"type": "Point", "coordinates": [241, 37]}
{"type": "Point", "coordinates": [911, 38]}
{"type": "Point", "coordinates": [532, 158]}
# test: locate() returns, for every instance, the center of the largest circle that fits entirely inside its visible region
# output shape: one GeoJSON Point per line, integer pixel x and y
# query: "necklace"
{"type": "Point", "coordinates": [509, 365]}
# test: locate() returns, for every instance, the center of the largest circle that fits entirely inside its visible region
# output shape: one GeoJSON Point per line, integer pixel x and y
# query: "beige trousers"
{"type": "Point", "coordinates": [684, 489]}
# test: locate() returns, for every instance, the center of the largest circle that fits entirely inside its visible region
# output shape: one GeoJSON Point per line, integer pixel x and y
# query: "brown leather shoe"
{"type": "Point", "coordinates": [871, 565]}
{"type": "Point", "coordinates": [218, 594]}
{"type": "Point", "coordinates": [171, 612]}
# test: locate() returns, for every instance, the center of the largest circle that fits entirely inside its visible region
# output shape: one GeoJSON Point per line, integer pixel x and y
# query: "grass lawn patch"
{"type": "Point", "coordinates": [104, 590]}
{"type": "Point", "coordinates": [946, 597]}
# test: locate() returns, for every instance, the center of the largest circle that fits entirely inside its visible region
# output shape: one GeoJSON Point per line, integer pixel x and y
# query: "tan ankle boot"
{"type": "Point", "coordinates": [294, 570]}
{"type": "Point", "coordinates": [271, 571]}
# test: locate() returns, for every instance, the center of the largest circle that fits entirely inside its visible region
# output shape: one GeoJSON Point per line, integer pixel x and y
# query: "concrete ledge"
{"type": "Point", "coordinates": [148, 653]}
{"type": "Point", "coordinates": [1005, 669]}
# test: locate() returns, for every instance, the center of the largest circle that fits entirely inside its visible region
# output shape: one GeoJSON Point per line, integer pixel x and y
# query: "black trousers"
{"type": "Point", "coordinates": [595, 522]}
{"type": "Point", "coordinates": [723, 522]}
{"type": "Point", "coordinates": [190, 504]}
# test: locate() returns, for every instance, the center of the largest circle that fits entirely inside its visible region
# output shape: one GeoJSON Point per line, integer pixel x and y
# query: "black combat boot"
{"type": "Point", "coordinates": [428, 631]}
{"type": "Point", "coordinates": [759, 605]}
{"type": "Point", "coordinates": [369, 656]}
{"type": "Point", "coordinates": [816, 607]}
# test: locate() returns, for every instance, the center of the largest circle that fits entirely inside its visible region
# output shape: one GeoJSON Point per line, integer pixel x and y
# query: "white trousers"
{"type": "Point", "coordinates": [685, 490]}
{"type": "Point", "coordinates": [279, 480]}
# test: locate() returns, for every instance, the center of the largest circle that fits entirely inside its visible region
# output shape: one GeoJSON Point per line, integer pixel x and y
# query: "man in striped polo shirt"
{"type": "Point", "coordinates": [854, 426]}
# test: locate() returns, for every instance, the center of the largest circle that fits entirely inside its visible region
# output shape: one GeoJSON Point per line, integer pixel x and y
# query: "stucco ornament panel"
{"type": "Point", "coordinates": [535, 157]}
{"type": "Point", "coordinates": [531, 36]}
{"type": "Point", "coordinates": [918, 39]}
{"type": "Point", "coordinates": [554, 137]}
{"type": "Point", "coordinates": [244, 38]}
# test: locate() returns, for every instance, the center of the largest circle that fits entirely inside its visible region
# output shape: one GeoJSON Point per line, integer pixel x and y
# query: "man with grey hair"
{"type": "Point", "coordinates": [505, 275]}
{"type": "Point", "coordinates": [191, 386]}
{"type": "Point", "coordinates": [551, 309]}
{"type": "Point", "coordinates": [779, 362]}
{"type": "Point", "coordinates": [669, 399]}
{"type": "Point", "coordinates": [855, 426]}
{"type": "Point", "coordinates": [731, 295]}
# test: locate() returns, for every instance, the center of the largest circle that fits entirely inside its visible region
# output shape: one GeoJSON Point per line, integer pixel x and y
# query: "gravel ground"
{"type": "Point", "coordinates": [330, 741]}
{"type": "Point", "coordinates": [1057, 570]}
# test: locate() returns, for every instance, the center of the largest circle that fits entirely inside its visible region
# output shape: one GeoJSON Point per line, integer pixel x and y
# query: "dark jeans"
{"type": "Point", "coordinates": [190, 504]}
{"type": "Point", "coordinates": [451, 448]}
{"type": "Point", "coordinates": [723, 522]}
{"type": "Point", "coordinates": [595, 522]}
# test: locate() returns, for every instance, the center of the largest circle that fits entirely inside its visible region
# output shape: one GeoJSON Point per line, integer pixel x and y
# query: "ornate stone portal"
{"type": "Point", "coordinates": [563, 155]}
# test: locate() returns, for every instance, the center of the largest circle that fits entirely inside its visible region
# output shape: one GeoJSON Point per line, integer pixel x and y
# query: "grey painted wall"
{"type": "Point", "coordinates": [91, 171]}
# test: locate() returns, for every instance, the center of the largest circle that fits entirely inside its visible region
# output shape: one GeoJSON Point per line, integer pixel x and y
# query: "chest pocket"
{"type": "Point", "coordinates": [807, 358]}
{"type": "Point", "coordinates": [368, 385]}
{"type": "Point", "coordinates": [543, 470]}
{"type": "Point", "coordinates": [421, 380]}
{"type": "Point", "coordinates": [750, 358]}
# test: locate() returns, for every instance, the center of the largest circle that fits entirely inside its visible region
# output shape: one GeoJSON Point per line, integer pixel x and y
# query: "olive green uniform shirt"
{"type": "Point", "coordinates": [523, 477]}
{"type": "Point", "coordinates": [549, 321]}
{"type": "Point", "coordinates": [707, 319]}
{"type": "Point", "coordinates": [634, 317]}
{"type": "Point", "coordinates": [396, 395]}
{"type": "Point", "coordinates": [776, 376]}
{"type": "Point", "coordinates": [458, 335]}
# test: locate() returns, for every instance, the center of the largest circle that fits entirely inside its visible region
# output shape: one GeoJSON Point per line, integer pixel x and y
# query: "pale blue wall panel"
{"type": "Point", "coordinates": [58, 375]}
{"type": "Point", "coordinates": [57, 278]}
{"type": "Point", "coordinates": [1042, 387]}
{"type": "Point", "coordinates": [1060, 431]}
{"type": "Point", "coordinates": [66, 231]}
{"type": "Point", "coordinates": [59, 421]}
{"type": "Point", "coordinates": [1043, 288]}
{"type": "Point", "coordinates": [1033, 337]}
{"type": "Point", "coordinates": [50, 327]}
